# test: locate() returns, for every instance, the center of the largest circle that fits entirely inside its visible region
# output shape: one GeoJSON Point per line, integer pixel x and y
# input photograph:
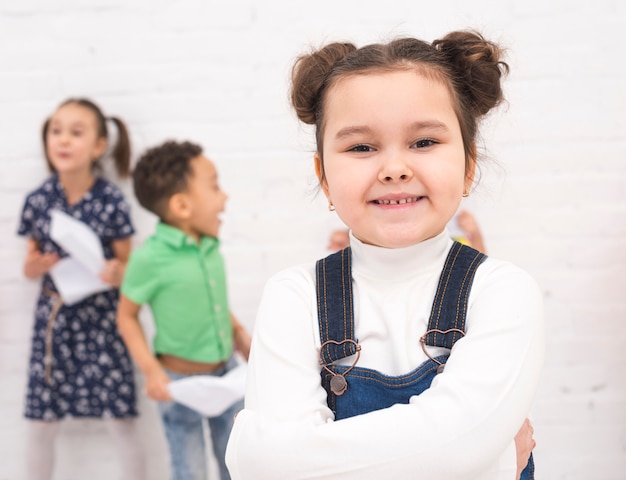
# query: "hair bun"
{"type": "Point", "coordinates": [479, 68]}
{"type": "Point", "coordinates": [308, 78]}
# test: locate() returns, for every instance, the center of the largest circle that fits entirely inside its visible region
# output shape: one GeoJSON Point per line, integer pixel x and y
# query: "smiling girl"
{"type": "Point", "coordinates": [346, 374]}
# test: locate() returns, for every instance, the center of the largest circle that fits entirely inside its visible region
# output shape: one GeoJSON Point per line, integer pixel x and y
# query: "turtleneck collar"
{"type": "Point", "coordinates": [398, 264]}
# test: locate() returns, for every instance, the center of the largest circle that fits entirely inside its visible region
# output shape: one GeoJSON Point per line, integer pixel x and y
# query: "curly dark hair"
{"type": "Point", "coordinates": [163, 171]}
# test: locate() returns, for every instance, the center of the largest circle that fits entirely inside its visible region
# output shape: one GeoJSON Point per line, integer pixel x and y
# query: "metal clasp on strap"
{"type": "Point", "coordinates": [338, 383]}
{"type": "Point", "coordinates": [442, 332]}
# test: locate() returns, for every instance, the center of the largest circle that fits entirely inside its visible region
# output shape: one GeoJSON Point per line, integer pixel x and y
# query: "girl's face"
{"type": "Point", "coordinates": [72, 140]}
{"type": "Point", "coordinates": [394, 160]}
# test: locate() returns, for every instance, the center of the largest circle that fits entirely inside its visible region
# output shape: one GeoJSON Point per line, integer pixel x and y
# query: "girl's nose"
{"type": "Point", "coordinates": [395, 169]}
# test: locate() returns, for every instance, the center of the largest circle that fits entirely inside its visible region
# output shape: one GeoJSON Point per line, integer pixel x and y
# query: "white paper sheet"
{"type": "Point", "coordinates": [78, 240]}
{"type": "Point", "coordinates": [77, 276]}
{"type": "Point", "coordinates": [211, 396]}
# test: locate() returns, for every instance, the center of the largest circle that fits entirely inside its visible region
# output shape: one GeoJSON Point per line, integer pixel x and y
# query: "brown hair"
{"type": "Point", "coordinates": [121, 151]}
{"type": "Point", "coordinates": [470, 66]}
{"type": "Point", "coordinates": [163, 171]}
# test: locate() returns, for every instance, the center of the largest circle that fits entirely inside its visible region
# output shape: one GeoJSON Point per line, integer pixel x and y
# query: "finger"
{"type": "Point", "coordinates": [32, 246]}
{"type": "Point", "coordinates": [34, 255]}
{"type": "Point", "coordinates": [50, 259]}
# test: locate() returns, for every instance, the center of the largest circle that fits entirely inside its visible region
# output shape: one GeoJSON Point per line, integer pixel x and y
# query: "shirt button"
{"type": "Point", "coordinates": [218, 308]}
{"type": "Point", "coordinates": [212, 283]}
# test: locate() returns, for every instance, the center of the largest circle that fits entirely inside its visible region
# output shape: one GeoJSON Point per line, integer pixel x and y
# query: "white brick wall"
{"type": "Point", "coordinates": [551, 198]}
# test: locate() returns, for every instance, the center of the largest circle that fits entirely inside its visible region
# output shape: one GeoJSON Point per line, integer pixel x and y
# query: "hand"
{"type": "Point", "coordinates": [339, 239]}
{"type": "Point", "coordinates": [113, 272]}
{"type": "Point", "coordinates": [156, 385]}
{"type": "Point", "coordinates": [524, 445]}
{"type": "Point", "coordinates": [467, 222]}
{"type": "Point", "coordinates": [37, 263]}
{"type": "Point", "coordinates": [242, 341]}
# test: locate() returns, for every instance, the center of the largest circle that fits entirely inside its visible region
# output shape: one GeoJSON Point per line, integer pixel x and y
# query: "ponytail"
{"type": "Point", "coordinates": [121, 150]}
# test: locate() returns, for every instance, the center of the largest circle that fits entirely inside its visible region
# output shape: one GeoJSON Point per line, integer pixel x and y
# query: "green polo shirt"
{"type": "Point", "coordinates": [185, 285]}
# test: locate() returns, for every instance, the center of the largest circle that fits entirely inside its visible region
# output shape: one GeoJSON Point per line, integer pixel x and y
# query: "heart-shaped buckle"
{"type": "Point", "coordinates": [338, 383]}
{"type": "Point", "coordinates": [443, 332]}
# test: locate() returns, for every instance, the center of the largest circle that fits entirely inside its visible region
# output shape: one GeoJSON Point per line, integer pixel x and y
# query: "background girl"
{"type": "Point", "coordinates": [396, 129]}
{"type": "Point", "coordinates": [79, 366]}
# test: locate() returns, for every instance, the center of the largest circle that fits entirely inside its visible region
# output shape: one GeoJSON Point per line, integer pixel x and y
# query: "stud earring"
{"type": "Point", "coordinates": [331, 207]}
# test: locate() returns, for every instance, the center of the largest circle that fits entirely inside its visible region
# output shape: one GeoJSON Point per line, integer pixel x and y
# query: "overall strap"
{"type": "Point", "coordinates": [450, 304]}
{"type": "Point", "coordinates": [335, 310]}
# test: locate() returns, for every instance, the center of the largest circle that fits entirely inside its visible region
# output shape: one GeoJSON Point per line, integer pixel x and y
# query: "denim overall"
{"type": "Point", "coordinates": [352, 390]}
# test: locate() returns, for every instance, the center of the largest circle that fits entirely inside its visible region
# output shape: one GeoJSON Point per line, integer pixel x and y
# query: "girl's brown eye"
{"type": "Point", "coordinates": [424, 143]}
{"type": "Point", "coordinates": [360, 148]}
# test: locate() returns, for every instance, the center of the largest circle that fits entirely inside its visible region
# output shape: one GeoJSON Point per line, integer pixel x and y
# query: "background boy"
{"type": "Point", "coordinates": [180, 273]}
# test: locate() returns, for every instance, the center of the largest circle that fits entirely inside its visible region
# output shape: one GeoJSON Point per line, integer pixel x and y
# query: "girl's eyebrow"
{"type": "Point", "coordinates": [429, 125]}
{"type": "Point", "coordinates": [352, 130]}
{"type": "Point", "coordinates": [416, 126]}
{"type": "Point", "coordinates": [79, 124]}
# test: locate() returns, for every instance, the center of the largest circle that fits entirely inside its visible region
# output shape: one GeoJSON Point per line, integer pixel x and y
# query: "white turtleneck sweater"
{"type": "Point", "coordinates": [461, 428]}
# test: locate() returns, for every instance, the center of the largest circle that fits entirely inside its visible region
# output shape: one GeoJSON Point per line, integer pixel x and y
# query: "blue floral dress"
{"type": "Point", "coordinates": [89, 371]}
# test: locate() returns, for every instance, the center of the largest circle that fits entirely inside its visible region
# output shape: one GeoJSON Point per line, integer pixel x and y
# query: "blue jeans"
{"type": "Point", "coordinates": [184, 429]}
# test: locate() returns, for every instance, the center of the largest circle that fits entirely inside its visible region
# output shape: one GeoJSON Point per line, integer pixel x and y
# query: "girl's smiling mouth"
{"type": "Point", "coordinates": [399, 201]}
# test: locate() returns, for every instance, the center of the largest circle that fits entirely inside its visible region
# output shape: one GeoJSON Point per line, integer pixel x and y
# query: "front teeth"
{"type": "Point", "coordinates": [397, 202]}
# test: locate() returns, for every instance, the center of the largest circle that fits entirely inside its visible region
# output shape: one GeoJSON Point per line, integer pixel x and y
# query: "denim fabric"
{"type": "Point", "coordinates": [367, 389]}
{"type": "Point", "coordinates": [529, 472]}
{"type": "Point", "coordinates": [370, 390]}
{"type": "Point", "coordinates": [184, 429]}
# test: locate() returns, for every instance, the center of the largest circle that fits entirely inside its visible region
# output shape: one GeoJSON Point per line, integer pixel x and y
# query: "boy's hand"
{"type": "Point", "coordinates": [242, 341]}
{"type": "Point", "coordinates": [156, 385]}
{"type": "Point", "coordinates": [37, 263]}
